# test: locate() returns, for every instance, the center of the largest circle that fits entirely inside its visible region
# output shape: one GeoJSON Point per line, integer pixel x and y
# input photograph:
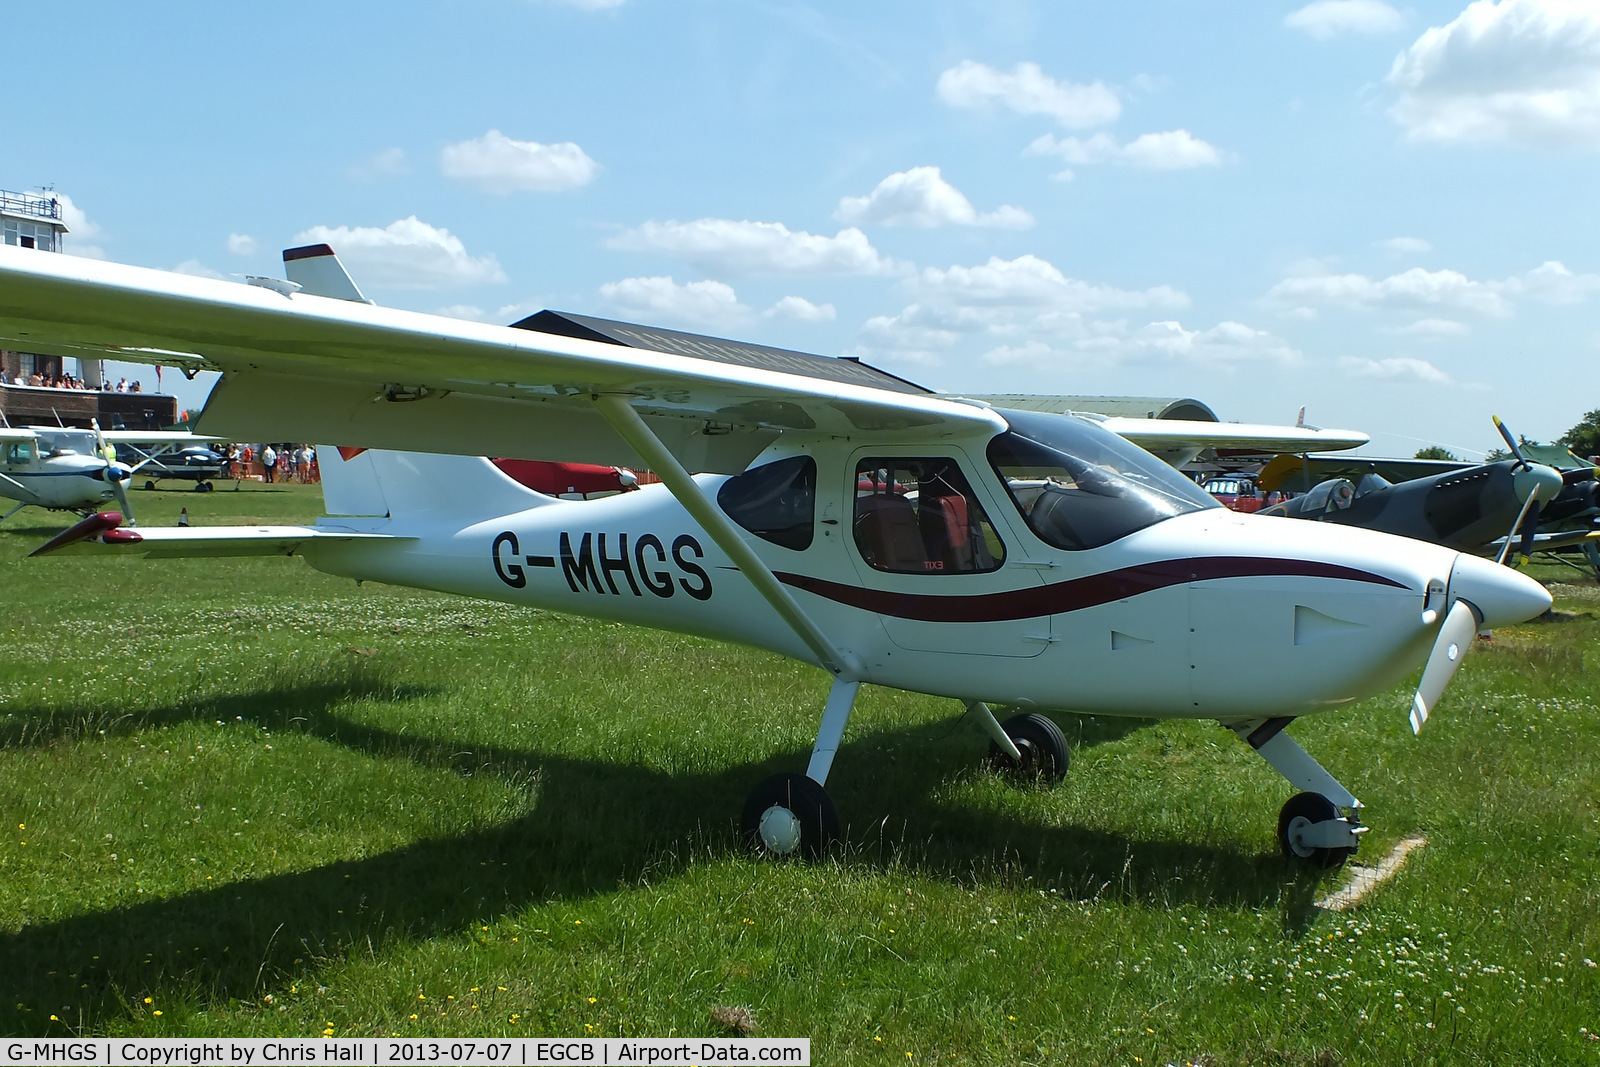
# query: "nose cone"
{"type": "Point", "coordinates": [1501, 595]}
{"type": "Point", "coordinates": [1546, 479]}
{"type": "Point", "coordinates": [118, 472]}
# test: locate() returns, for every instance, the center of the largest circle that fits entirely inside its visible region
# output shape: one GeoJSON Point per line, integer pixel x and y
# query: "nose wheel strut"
{"type": "Point", "coordinates": [1310, 826]}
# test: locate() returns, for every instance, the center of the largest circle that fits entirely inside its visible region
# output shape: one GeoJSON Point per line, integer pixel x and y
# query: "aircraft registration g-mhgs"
{"type": "Point", "coordinates": [834, 514]}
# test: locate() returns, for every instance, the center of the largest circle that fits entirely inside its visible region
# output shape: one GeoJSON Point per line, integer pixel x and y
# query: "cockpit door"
{"type": "Point", "coordinates": [933, 553]}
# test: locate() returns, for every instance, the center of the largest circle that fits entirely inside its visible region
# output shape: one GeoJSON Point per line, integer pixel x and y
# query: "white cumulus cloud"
{"type": "Point", "coordinates": [1330, 18]}
{"type": "Point", "coordinates": [1517, 71]}
{"type": "Point", "coordinates": [1407, 246]}
{"type": "Point", "coordinates": [1434, 329]}
{"type": "Point", "coordinates": [241, 244]}
{"type": "Point", "coordinates": [799, 309]}
{"type": "Point", "coordinates": [1415, 288]}
{"type": "Point", "coordinates": [499, 164]}
{"type": "Point", "coordinates": [77, 223]}
{"type": "Point", "coordinates": [1028, 90]}
{"type": "Point", "coordinates": [719, 246]}
{"type": "Point", "coordinates": [704, 303]}
{"type": "Point", "coordinates": [1170, 150]}
{"type": "Point", "coordinates": [81, 231]}
{"type": "Point", "coordinates": [1013, 306]}
{"type": "Point", "coordinates": [384, 164]}
{"type": "Point", "coordinates": [1398, 369]}
{"type": "Point", "coordinates": [1551, 282]}
{"type": "Point", "coordinates": [1029, 281]}
{"type": "Point", "coordinates": [406, 254]}
{"type": "Point", "coordinates": [1227, 344]}
{"type": "Point", "coordinates": [921, 197]}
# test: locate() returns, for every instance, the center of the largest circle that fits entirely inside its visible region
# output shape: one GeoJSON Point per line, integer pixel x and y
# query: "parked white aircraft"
{"type": "Point", "coordinates": [1028, 560]}
{"type": "Point", "coordinates": [68, 469]}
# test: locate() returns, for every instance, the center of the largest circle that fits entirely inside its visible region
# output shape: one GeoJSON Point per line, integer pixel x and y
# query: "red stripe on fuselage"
{"type": "Point", "coordinates": [1076, 594]}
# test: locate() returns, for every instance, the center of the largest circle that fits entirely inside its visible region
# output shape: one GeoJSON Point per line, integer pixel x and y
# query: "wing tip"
{"type": "Point", "coordinates": [101, 523]}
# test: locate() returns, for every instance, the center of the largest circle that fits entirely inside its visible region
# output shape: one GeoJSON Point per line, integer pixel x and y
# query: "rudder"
{"type": "Point", "coordinates": [373, 482]}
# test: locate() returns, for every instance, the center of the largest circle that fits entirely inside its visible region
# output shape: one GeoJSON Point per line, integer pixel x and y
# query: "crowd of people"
{"type": "Point", "coordinates": [67, 381]}
{"type": "Point", "coordinates": [275, 462]}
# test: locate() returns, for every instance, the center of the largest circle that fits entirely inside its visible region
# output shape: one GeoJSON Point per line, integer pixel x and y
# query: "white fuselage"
{"type": "Point", "coordinates": [1210, 614]}
{"type": "Point", "coordinates": [58, 470]}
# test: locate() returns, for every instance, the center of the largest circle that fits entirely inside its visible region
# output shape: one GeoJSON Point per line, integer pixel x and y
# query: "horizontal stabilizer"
{"type": "Point", "coordinates": [103, 533]}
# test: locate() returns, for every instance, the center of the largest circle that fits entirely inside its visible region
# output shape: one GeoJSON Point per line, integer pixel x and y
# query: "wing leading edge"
{"type": "Point", "coordinates": [313, 368]}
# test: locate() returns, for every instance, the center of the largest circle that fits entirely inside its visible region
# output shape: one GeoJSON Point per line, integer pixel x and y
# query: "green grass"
{"type": "Point", "coordinates": [244, 798]}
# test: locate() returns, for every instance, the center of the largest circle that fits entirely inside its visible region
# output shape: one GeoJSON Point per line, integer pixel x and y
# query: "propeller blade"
{"type": "Point", "coordinates": [1530, 530]}
{"type": "Point", "coordinates": [1527, 505]}
{"type": "Point", "coordinates": [1455, 637]}
{"type": "Point", "coordinates": [1510, 442]}
{"type": "Point", "coordinates": [121, 489]}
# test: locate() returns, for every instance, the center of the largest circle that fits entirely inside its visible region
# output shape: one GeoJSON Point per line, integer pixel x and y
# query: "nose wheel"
{"type": "Point", "coordinates": [1309, 828]}
{"type": "Point", "coordinates": [789, 814]}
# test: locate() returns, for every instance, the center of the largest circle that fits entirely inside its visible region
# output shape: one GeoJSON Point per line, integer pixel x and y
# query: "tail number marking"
{"type": "Point", "coordinates": [597, 564]}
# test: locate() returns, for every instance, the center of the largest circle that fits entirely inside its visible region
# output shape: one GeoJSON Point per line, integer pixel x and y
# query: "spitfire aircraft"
{"type": "Point", "coordinates": [1485, 508]}
{"type": "Point", "coordinates": [843, 517]}
{"type": "Point", "coordinates": [68, 469]}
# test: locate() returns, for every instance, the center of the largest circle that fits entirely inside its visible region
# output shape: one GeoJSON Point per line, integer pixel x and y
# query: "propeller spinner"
{"type": "Point", "coordinates": [1481, 595]}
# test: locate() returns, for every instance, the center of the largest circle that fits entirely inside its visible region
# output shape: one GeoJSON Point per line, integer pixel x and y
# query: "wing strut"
{"type": "Point", "coordinates": [620, 414]}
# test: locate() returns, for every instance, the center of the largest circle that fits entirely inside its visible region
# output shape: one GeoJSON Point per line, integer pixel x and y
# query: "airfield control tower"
{"type": "Point", "coordinates": [36, 220]}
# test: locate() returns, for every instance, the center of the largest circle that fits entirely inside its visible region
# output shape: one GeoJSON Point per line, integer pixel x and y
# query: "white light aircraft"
{"type": "Point", "coordinates": [1024, 560]}
{"type": "Point", "coordinates": [67, 469]}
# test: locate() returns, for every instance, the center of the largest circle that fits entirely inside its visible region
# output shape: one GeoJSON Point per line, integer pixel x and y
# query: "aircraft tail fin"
{"type": "Point", "coordinates": [402, 485]}
{"type": "Point", "coordinates": [316, 270]}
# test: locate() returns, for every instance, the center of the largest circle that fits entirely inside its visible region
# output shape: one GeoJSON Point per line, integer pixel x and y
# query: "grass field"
{"type": "Point", "coordinates": [243, 798]}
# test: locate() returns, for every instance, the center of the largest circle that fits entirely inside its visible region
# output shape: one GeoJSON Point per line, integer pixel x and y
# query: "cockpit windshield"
{"type": "Point", "coordinates": [66, 443]}
{"type": "Point", "coordinates": [1081, 486]}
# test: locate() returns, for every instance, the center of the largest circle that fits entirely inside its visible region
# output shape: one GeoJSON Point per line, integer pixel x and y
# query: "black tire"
{"type": "Point", "coordinates": [1045, 755]}
{"type": "Point", "coordinates": [210, 487]}
{"type": "Point", "coordinates": [149, 487]}
{"type": "Point", "coordinates": [803, 799]}
{"type": "Point", "coordinates": [1311, 808]}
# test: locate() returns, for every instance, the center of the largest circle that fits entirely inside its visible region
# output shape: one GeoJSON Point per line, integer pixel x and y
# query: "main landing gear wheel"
{"type": "Point", "coordinates": [789, 814]}
{"type": "Point", "coordinates": [1043, 746]}
{"type": "Point", "coordinates": [1300, 814]}
{"type": "Point", "coordinates": [149, 487]}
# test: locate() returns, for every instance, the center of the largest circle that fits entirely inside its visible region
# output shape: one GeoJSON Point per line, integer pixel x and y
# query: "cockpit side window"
{"type": "Point", "coordinates": [1082, 486]}
{"type": "Point", "coordinates": [775, 501]}
{"type": "Point", "coordinates": [19, 452]}
{"type": "Point", "coordinates": [919, 516]}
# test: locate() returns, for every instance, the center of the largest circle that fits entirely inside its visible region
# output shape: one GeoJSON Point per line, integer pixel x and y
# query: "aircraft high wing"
{"type": "Point", "coordinates": [1180, 441]}
{"type": "Point", "coordinates": [837, 515]}
{"type": "Point", "coordinates": [302, 367]}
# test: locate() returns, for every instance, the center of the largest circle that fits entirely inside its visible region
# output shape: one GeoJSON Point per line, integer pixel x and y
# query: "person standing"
{"type": "Point", "coordinates": [269, 461]}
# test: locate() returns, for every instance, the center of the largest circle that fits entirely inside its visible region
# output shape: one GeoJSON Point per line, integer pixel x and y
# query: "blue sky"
{"type": "Point", "coordinates": [1385, 213]}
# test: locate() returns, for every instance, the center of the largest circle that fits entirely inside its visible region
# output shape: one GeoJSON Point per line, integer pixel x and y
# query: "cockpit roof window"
{"type": "Point", "coordinates": [1080, 486]}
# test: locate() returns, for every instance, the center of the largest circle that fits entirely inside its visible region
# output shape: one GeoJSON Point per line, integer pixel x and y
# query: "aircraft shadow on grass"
{"type": "Point", "coordinates": [594, 826]}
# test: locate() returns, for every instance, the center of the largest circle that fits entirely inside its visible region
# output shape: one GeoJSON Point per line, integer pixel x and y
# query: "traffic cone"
{"type": "Point", "coordinates": [183, 517]}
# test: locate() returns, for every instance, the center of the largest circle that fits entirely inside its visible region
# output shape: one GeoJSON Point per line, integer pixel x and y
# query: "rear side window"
{"type": "Point", "coordinates": [775, 501]}
{"type": "Point", "coordinates": [918, 516]}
